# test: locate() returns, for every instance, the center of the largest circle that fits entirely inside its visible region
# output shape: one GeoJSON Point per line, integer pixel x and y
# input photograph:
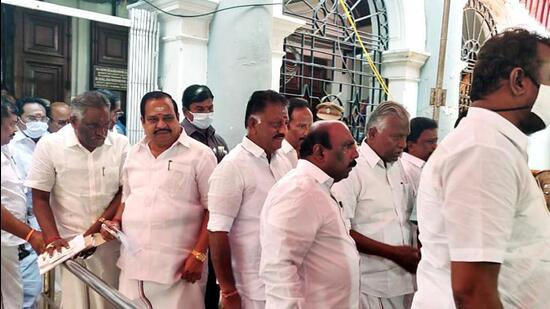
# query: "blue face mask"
{"type": "Point", "coordinates": [35, 129]}
{"type": "Point", "coordinates": [202, 120]}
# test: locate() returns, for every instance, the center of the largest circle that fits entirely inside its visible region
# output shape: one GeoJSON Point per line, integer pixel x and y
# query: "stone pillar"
{"type": "Point", "coordinates": [406, 56]}
{"type": "Point", "coordinates": [183, 44]}
{"type": "Point", "coordinates": [245, 52]}
{"type": "Point", "coordinates": [402, 69]}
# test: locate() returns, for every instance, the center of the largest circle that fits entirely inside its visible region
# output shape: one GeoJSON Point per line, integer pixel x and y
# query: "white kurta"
{"type": "Point", "coordinates": [238, 188]}
{"type": "Point", "coordinates": [81, 184]}
{"type": "Point", "coordinates": [289, 153]}
{"type": "Point", "coordinates": [413, 168]}
{"type": "Point", "coordinates": [377, 200]}
{"type": "Point", "coordinates": [309, 260]}
{"type": "Point", "coordinates": [13, 199]}
{"type": "Point", "coordinates": [13, 196]}
{"type": "Point", "coordinates": [478, 202]}
{"type": "Point", "coordinates": [165, 202]}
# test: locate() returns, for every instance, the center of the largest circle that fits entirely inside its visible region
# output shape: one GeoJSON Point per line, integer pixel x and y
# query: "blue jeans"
{"type": "Point", "coordinates": [32, 281]}
{"type": "Point", "coordinates": [30, 273]}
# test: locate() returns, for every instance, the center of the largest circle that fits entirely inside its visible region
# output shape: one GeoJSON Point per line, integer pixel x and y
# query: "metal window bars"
{"type": "Point", "coordinates": [324, 58]}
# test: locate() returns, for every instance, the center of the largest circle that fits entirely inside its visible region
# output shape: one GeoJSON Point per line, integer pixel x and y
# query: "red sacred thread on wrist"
{"type": "Point", "coordinates": [232, 293]}
{"type": "Point", "coordinates": [52, 239]}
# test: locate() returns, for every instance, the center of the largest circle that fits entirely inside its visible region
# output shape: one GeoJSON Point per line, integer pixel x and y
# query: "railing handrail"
{"type": "Point", "coordinates": [98, 285]}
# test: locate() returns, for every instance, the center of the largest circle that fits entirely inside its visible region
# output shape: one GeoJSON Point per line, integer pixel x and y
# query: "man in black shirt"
{"type": "Point", "coordinates": [198, 108]}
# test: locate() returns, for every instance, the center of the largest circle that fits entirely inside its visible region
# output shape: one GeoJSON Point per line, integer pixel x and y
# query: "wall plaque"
{"type": "Point", "coordinates": [110, 78]}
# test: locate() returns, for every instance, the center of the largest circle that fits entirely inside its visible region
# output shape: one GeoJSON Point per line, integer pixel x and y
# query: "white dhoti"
{"type": "Point", "coordinates": [148, 294]}
{"type": "Point", "coordinates": [397, 302]}
{"type": "Point", "coordinates": [247, 303]}
{"type": "Point", "coordinates": [76, 295]}
{"type": "Point", "coordinates": [12, 284]}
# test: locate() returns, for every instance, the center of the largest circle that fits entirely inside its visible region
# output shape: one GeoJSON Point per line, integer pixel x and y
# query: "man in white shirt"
{"type": "Point", "coordinates": [483, 222]}
{"type": "Point", "coordinates": [421, 143]}
{"type": "Point", "coordinates": [15, 230]}
{"type": "Point", "coordinates": [115, 111]}
{"type": "Point", "coordinates": [238, 188]}
{"type": "Point", "coordinates": [32, 124]}
{"type": "Point", "coordinates": [164, 212]}
{"type": "Point", "coordinates": [60, 116]}
{"type": "Point", "coordinates": [308, 259]}
{"type": "Point", "coordinates": [76, 182]}
{"type": "Point", "coordinates": [377, 198]}
{"type": "Point", "coordinates": [300, 120]}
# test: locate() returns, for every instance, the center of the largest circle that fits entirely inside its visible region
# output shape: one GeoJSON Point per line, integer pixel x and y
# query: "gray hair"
{"type": "Point", "coordinates": [88, 99]}
{"type": "Point", "coordinates": [385, 109]}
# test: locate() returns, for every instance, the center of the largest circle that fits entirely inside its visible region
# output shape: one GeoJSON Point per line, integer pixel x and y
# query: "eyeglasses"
{"type": "Point", "coordinates": [62, 123]}
{"type": "Point", "coordinates": [118, 115]}
{"type": "Point", "coordinates": [34, 119]}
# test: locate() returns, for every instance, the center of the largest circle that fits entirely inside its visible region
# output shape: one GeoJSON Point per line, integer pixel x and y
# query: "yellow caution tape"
{"type": "Point", "coordinates": [369, 60]}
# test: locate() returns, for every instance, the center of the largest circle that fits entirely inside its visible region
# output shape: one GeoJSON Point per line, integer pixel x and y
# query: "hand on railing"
{"type": "Point", "coordinates": [55, 243]}
{"type": "Point", "coordinates": [113, 225]}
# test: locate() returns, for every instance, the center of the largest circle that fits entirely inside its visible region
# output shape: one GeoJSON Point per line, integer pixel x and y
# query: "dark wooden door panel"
{"type": "Point", "coordinates": [110, 45]}
{"type": "Point", "coordinates": [44, 80]}
{"type": "Point", "coordinates": [44, 34]}
{"type": "Point", "coordinates": [42, 55]}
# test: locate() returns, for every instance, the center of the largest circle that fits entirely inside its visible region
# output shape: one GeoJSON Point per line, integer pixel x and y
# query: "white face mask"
{"type": "Point", "coordinates": [541, 107]}
{"type": "Point", "coordinates": [35, 129]}
{"type": "Point", "coordinates": [202, 120]}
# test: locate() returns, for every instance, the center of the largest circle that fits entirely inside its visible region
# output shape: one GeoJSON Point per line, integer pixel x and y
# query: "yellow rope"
{"type": "Point", "coordinates": [369, 60]}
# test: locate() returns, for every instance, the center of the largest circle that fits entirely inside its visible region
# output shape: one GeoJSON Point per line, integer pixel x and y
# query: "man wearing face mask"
{"type": "Point", "coordinates": [483, 221]}
{"type": "Point", "coordinates": [198, 108]}
{"type": "Point", "coordinates": [32, 125]}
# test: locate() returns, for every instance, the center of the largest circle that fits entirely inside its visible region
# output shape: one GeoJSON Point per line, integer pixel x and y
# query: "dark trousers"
{"type": "Point", "coordinates": [212, 295]}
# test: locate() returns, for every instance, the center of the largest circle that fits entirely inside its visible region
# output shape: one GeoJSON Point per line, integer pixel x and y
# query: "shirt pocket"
{"type": "Point", "coordinates": [180, 181]}
{"type": "Point", "coordinates": [110, 178]}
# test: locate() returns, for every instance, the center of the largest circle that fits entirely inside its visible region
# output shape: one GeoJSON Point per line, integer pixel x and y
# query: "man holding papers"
{"type": "Point", "coordinates": [75, 178]}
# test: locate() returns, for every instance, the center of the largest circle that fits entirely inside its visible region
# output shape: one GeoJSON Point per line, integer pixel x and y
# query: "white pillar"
{"type": "Point", "coordinates": [283, 26]}
{"type": "Point", "coordinates": [142, 66]}
{"type": "Point", "coordinates": [183, 44]}
{"type": "Point", "coordinates": [402, 63]}
{"type": "Point", "coordinates": [402, 69]}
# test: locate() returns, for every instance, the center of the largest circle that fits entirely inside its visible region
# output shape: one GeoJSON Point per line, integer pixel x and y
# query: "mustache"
{"type": "Point", "coordinates": [162, 130]}
{"type": "Point", "coordinates": [279, 136]}
{"type": "Point", "coordinates": [352, 163]}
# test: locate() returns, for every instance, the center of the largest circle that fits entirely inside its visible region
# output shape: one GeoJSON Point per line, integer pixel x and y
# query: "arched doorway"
{"type": "Point", "coordinates": [323, 59]}
{"type": "Point", "coordinates": [478, 25]}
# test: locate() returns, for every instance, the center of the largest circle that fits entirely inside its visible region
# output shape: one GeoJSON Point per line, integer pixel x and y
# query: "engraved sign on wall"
{"type": "Point", "coordinates": [110, 78]}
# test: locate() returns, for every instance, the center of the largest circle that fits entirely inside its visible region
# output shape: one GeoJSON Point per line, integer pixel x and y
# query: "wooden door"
{"type": "Point", "coordinates": [42, 55]}
{"type": "Point", "coordinates": [110, 53]}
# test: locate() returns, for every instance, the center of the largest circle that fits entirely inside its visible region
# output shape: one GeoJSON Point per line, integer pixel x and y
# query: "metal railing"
{"type": "Point", "coordinates": [91, 280]}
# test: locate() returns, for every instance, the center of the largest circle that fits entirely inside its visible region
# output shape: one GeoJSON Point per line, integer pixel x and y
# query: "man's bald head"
{"type": "Point", "coordinates": [60, 114]}
{"type": "Point", "coordinates": [330, 146]}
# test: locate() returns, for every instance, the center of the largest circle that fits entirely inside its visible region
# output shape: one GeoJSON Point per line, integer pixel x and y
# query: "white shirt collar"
{"type": "Point", "coordinates": [19, 136]}
{"type": "Point", "coordinates": [286, 147]}
{"type": "Point", "coordinates": [254, 149]}
{"type": "Point", "coordinates": [318, 174]}
{"type": "Point", "coordinates": [71, 139]}
{"type": "Point", "coordinates": [370, 155]}
{"type": "Point", "coordinates": [183, 139]}
{"type": "Point", "coordinates": [413, 160]}
{"type": "Point", "coordinates": [502, 125]}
